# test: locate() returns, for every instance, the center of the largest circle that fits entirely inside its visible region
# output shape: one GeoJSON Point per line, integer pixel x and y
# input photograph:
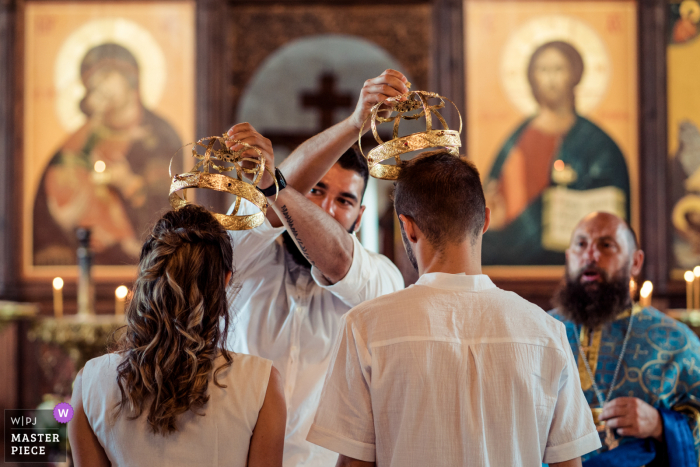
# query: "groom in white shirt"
{"type": "Point", "coordinates": [453, 370]}
{"type": "Point", "coordinates": [299, 272]}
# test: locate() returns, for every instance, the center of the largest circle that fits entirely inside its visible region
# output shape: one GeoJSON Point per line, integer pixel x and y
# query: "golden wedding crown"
{"type": "Point", "coordinates": [199, 177]}
{"type": "Point", "coordinates": [430, 138]}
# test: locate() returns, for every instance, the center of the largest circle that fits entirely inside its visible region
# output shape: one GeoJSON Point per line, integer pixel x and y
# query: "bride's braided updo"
{"type": "Point", "coordinates": [177, 319]}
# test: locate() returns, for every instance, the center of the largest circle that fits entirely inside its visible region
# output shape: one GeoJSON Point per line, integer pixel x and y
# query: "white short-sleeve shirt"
{"type": "Point", "coordinates": [453, 371]}
{"type": "Point", "coordinates": [291, 315]}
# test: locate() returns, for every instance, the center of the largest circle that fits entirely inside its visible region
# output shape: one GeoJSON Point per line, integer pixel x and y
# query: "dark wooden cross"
{"type": "Point", "coordinates": [326, 100]}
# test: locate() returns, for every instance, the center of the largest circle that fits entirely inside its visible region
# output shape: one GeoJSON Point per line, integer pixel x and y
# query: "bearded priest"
{"type": "Point", "coordinates": [639, 369]}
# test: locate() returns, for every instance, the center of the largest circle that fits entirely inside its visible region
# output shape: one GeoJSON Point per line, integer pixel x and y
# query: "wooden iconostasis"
{"type": "Point", "coordinates": [294, 68]}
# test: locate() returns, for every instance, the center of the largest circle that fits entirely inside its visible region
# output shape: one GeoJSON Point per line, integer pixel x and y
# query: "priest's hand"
{"type": "Point", "coordinates": [389, 84]}
{"type": "Point", "coordinates": [631, 416]}
{"type": "Point", "coordinates": [246, 133]}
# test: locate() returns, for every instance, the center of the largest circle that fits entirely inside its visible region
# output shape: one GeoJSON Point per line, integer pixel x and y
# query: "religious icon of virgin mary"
{"type": "Point", "coordinates": [556, 147]}
{"type": "Point", "coordinates": [111, 174]}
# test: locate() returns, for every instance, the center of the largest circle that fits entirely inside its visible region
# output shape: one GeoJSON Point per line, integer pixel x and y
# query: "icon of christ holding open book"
{"type": "Point", "coordinates": [553, 170]}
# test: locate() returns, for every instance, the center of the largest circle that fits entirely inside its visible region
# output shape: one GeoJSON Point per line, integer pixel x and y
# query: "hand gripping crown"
{"type": "Point", "coordinates": [409, 102]}
{"type": "Point", "coordinates": [200, 177]}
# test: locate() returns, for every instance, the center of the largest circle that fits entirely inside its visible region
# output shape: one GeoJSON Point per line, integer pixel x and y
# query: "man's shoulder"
{"type": "Point", "coordinates": [514, 302]}
{"type": "Point", "coordinates": [650, 318]}
{"type": "Point", "coordinates": [557, 314]}
{"type": "Point", "coordinates": [383, 260]}
{"type": "Point", "coordinates": [379, 259]}
{"type": "Point", "coordinates": [393, 300]}
{"type": "Point", "coordinates": [645, 320]}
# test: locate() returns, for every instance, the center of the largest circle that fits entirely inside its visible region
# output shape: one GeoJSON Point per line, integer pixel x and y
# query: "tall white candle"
{"type": "Point", "coordinates": [633, 288]}
{"type": "Point", "coordinates": [645, 293]}
{"type": "Point", "coordinates": [58, 297]}
{"type": "Point", "coordinates": [689, 279]}
{"type": "Point", "coordinates": [696, 288]}
{"type": "Point", "coordinates": [119, 299]}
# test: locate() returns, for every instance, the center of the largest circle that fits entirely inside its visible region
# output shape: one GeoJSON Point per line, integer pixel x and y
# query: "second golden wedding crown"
{"type": "Point", "coordinates": [199, 177]}
{"type": "Point", "coordinates": [430, 138]}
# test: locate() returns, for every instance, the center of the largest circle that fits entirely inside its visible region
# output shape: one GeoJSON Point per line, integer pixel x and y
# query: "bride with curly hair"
{"type": "Point", "coordinates": [170, 393]}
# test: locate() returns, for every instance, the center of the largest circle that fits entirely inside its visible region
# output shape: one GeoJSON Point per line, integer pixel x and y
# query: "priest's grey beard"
{"type": "Point", "coordinates": [297, 255]}
{"type": "Point", "coordinates": [409, 250]}
{"type": "Point", "coordinates": [593, 306]}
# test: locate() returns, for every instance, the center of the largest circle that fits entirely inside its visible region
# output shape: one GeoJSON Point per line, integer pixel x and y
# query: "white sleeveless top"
{"type": "Point", "coordinates": [220, 437]}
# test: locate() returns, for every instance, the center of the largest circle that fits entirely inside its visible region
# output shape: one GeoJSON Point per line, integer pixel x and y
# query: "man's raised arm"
{"type": "Point", "coordinates": [313, 158]}
{"type": "Point", "coordinates": [305, 166]}
{"type": "Point", "coordinates": [322, 239]}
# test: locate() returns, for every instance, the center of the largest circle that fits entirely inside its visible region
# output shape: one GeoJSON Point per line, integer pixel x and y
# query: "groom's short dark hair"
{"type": "Point", "coordinates": [443, 195]}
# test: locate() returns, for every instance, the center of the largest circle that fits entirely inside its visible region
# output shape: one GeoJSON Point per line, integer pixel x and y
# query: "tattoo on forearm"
{"type": "Point", "coordinates": [290, 223]}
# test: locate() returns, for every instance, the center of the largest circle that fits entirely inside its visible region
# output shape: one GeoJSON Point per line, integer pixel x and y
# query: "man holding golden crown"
{"type": "Point", "coordinates": [304, 268]}
{"type": "Point", "coordinates": [453, 370]}
{"type": "Point", "coordinates": [639, 369]}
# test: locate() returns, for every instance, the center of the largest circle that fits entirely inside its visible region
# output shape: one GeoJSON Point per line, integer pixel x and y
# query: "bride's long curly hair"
{"type": "Point", "coordinates": [177, 319]}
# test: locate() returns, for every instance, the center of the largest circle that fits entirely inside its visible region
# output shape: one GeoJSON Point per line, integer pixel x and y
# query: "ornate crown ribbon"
{"type": "Point", "coordinates": [430, 138]}
{"type": "Point", "coordinates": [199, 177]}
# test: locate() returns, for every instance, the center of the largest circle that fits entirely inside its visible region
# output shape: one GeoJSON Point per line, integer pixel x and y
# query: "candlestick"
{"type": "Point", "coordinates": [86, 287]}
{"type": "Point", "coordinates": [689, 279]}
{"type": "Point", "coordinates": [57, 297]}
{"type": "Point", "coordinates": [645, 294]}
{"type": "Point", "coordinates": [119, 299]}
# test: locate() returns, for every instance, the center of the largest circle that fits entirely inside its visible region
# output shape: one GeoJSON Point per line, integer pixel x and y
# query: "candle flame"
{"type": "Point", "coordinates": [121, 292]}
{"type": "Point", "coordinates": [647, 288]}
{"type": "Point", "coordinates": [696, 271]}
{"type": "Point", "coordinates": [57, 283]}
{"type": "Point", "coordinates": [689, 276]}
{"type": "Point", "coordinates": [100, 166]}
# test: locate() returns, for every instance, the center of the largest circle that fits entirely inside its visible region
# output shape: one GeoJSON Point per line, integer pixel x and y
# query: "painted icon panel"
{"type": "Point", "coordinates": [551, 123]}
{"type": "Point", "coordinates": [108, 104]}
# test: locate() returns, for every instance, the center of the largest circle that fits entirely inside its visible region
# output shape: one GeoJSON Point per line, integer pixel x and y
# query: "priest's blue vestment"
{"type": "Point", "coordinates": [661, 366]}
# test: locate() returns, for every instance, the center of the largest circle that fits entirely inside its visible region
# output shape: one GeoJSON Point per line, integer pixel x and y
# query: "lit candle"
{"type": "Point", "coordinates": [633, 288]}
{"type": "Point", "coordinates": [696, 288]}
{"type": "Point", "coordinates": [689, 279]}
{"type": "Point", "coordinates": [58, 297]}
{"type": "Point", "coordinates": [120, 298]}
{"type": "Point", "coordinates": [645, 293]}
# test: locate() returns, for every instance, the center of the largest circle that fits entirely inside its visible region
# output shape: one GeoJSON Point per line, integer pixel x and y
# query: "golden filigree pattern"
{"type": "Point", "coordinates": [200, 177]}
{"type": "Point", "coordinates": [410, 102]}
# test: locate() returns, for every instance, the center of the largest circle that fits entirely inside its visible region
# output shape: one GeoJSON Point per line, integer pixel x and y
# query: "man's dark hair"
{"type": "Point", "coordinates": [352, 159]}
{"type": "Point", "coordinates": [443, 196]}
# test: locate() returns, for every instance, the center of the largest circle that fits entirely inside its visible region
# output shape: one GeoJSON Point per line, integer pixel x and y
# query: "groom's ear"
{"type": "Point", "coordinates": [487, 220]}
{"type": "Point", "coordinates": [410, 227]}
